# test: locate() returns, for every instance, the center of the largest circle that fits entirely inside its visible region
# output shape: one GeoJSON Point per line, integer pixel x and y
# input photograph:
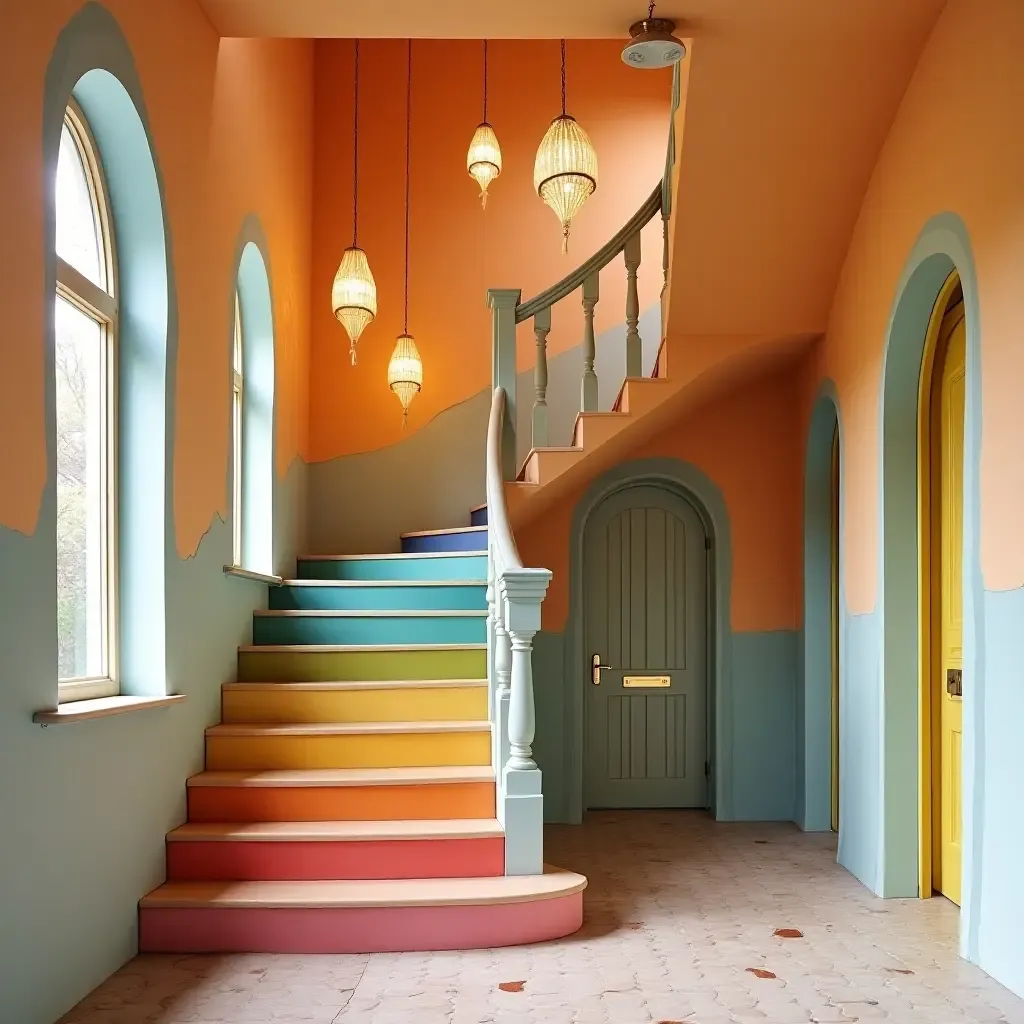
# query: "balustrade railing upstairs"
{"type": "Point", "coordinates": [515, 592]}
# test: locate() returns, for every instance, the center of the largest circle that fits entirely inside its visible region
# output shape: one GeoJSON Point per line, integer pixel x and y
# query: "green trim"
{"type": "Point", "coordinates": [692, 484]}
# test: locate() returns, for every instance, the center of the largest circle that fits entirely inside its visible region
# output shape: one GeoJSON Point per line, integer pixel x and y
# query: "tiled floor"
{"type": "Point", "coordinates": [681, 922]}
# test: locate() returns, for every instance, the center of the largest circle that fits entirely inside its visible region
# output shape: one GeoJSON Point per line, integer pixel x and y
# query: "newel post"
{"type": "Point", "coordinates": [503, 302]}
{"type": "Point", "coordinates": [522, 592]}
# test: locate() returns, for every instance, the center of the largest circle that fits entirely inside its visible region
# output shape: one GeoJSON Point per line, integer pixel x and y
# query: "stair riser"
{"type": "Point", "coordinates": [456, 567]}
{"type": "Point", "coordinates": [408, 704]}
{"type": "Point", "coordinates": [478, 517]}
{"type": "Point", "coordinates": [253, 861]}
{"type": "Point", "coordinates": [380, 750]}
{"type": "Point", "coordinates": [296, 629]}
{"type": "Point", "coordinates": [445, 542]}
{"type": "Point", "coordinates": [396, 598]}
{"type": "Point", "coordinates": [346, 666]}
{"type": "Point", "coordinates": [430, 802]}
{"type": "Point", "coordinates": [356, 929]}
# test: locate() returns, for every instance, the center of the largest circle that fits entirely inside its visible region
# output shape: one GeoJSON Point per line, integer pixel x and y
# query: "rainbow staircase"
{"type": "Point", "coordinates": [349, 800]}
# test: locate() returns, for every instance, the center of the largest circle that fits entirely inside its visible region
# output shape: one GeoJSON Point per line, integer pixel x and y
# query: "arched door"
{"type": "Point", "coordinates": [946, 561]}
{"type": "Point", "coordinates": [645, 628]}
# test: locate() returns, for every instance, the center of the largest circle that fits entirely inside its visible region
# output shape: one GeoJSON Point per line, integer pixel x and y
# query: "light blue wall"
{"type": "Point", "coordinates": [84, 808]}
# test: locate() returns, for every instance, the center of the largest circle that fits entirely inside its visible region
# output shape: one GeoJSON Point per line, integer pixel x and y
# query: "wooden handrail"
{"type": "Point", "coordinates": [652, 205]}
{"type": "Point", "coordinates": [497, 510]}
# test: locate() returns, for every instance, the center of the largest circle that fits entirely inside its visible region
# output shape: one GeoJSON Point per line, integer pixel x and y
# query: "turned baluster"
{"type": "Point", "coordinates": [541, 327]}
{"type": "Point", "coordinates": [634, 346]}
{"type": "Point", "coordinates": [588, 389]}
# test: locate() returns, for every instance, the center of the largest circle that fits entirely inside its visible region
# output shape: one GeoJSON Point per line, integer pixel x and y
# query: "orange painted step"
{"type": "Point", "coordinates": [346, 794]}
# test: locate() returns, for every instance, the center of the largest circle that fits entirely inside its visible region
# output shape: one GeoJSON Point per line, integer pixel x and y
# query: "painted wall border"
{"type": "Point", "coordinates": [942, 246]}
{"type": "Point", "coordinates": [697, 488]}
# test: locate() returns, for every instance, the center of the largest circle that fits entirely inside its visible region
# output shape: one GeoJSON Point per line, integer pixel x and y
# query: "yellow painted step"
{"type": "Point", "coordinates": [357, 745]}
{"type": "Point", "coordinates": [454, 700]}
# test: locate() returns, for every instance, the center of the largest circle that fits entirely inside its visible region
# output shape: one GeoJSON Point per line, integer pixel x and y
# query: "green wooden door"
{"type": "Point", "coordinates": [645, 614]}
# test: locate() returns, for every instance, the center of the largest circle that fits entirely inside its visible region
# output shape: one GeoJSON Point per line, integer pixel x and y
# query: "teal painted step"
{"type": "Point", "coordinates": [375, 596]}
{"type": "Point", "coordinates": [394, 567]}
{"type": "Point", "coordinates": [282, 664]}
{"type": "Point", "coordinates": [382, 628]}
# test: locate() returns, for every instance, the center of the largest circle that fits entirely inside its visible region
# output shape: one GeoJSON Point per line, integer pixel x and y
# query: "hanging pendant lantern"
{"type": "Point", "coordinates": [565, 170]}
{"type": "Point", "coordinates": [405, 372]}
{"type": "Point", "coordinates": [405, 368]}
{"type": "Point", "coordinates": [483, 161]}
{"type": "Point", "coordinates": [354, 293]}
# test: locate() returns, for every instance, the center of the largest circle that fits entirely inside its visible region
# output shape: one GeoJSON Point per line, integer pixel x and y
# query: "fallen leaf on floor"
{"type": "Point", "coordinates": [757, 972]}
{"type": "Point", "coordinates": [898, 970]}
{"type": "Point", "coordinates": [789, 933]}
{"type": "Point", "coordinates": [512, 986]}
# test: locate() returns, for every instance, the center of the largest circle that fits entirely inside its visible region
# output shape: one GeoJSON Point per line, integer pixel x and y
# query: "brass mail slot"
{"type": "Point", "coordinates": [646, 681]}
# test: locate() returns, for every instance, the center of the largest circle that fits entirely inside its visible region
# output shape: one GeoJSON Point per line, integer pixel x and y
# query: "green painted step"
{"type": "Point", "coordinates": [291, 664]}
{"type": "Point", "coordinates": [380, 595]}
{"type": "Point", "coordinates": [437, 566]}
{"type": "Point", "coordinates": [383, 627]}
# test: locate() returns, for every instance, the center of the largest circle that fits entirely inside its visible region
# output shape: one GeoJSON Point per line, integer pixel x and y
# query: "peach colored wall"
{"type": "Point", "coordinates": [231, 124]}
{"type": "Point", "coordinates": [457, 250]}
{"type": "Point", "coordinates": [748, 442]}
{"type": "Point", "coordinates": [956, 145]}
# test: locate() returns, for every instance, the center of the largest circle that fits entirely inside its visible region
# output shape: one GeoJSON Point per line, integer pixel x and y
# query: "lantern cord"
{"type": "Point", "coordinates": [355, 158]}
{"type": "Point", "coordinates": [408, 136]}
{"type": "Point", "coordinates": [650, 11]}
{"type": "Point", "coordinates": [563, 78]}
{"type": "Point", "coordinates": [485, 81]}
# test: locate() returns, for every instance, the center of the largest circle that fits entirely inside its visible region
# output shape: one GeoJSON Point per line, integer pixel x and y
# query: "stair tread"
{"type": "Point", "coordinates": [372, 684]}
{"type": "Point", "coordinates": [329, 648]}
{"type": "Point", "coordinates": [480, 507]}
{"type": "Point", "coordinates": [374, 613]}
{"type": "Point", "coordinates": [384, 583]}
{"type": "Point", "coordinates": [442, 533]}
{"type": "Point", "coordinates": [343, 728]}
{"type": "Point", "coordinates": [322, 777]}
{"type": "Point", "coordinates": [393, 554]}
{"type": "Point", "coordinates": [338, 831]}
{"type": "Point", "coordinates": [422, 892]}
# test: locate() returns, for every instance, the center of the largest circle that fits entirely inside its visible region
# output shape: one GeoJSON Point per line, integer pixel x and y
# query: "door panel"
{"type": "Point", "coordinates": [948, 707]}
{"type": "Point", "coordinates": [645, 598]}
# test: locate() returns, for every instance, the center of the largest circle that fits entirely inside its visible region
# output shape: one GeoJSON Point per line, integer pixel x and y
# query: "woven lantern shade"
{"type": "Point", "coordinates": [354, 295]}
{"type": "Point", "coordinates": [354, 292]}
{"type": "Point", "coordinates": [405, 372]}
{"type": "Point", "coordinates": [565, 171]}
{"type": "Point", "coordinates": [484, 158]}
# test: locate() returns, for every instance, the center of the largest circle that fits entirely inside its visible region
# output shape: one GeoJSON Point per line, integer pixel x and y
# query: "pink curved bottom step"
{"type": "Point", "coordinates": [356, 929]}
{"type": "Point", "coordinates": [255, 861]}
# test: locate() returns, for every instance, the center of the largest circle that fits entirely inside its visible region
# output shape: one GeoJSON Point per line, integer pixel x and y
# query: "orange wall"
{"type": "Point", "coordinates": [956, 145]}
{"type": "Point", "coordinates": [457, 250]}
{"type": "Point", "coordinates": [231, 122]}
{"type": "Point", "coordinates": [748, 443]}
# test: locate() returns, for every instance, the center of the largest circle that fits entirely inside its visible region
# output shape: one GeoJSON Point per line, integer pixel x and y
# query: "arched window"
{"type": "Point", "coordinates": [85, 364]}
{"type": "Point", "coordinates": [237, 389]}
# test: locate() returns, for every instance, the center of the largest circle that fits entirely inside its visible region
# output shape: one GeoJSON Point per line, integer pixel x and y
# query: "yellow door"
{"type": "Point", "coordinates": [947, 561]}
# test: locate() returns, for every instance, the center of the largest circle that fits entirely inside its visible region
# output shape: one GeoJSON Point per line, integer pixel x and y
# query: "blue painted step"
{"type": "Point", "coordinates": [371, 595]}
{"type": "Point", "coordinates": [466, 538]}
{"type": "Point", "coordinates": [440, 566]}
{"type": "Point", "coordinates": [342, 628]}
{"type": "Point", "coordinates": [478, 516]}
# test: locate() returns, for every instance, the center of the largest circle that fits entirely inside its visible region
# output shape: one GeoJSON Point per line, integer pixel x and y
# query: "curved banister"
{"type": "Point", "coordinates": [497, 510]}
{"type": "Point", "coordinates": [652, 205]}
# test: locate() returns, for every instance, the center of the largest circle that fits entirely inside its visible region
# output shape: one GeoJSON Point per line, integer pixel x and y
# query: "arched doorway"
{"type": "Point", "coordinates": [645, 619]}
{"type": "Point", "coordinates": [941, 487]}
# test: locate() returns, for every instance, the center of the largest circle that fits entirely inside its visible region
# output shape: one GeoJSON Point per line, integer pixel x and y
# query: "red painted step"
{"type": "Point", "coordinates": [293, 851]}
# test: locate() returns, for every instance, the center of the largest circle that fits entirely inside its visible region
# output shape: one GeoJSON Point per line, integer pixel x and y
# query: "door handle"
{"type": "Point", "coordinates": [595, 670]}
{"type": "Point", "coordinates": [955, 682]}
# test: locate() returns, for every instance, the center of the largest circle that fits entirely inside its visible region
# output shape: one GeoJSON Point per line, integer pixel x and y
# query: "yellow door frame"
{"type": "Point", "coordinates": [927, 598]}
{"type": "Point", "coordinates": [834, 597]}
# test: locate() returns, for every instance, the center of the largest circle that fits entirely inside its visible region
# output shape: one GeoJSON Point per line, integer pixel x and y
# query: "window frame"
{"type": "Point", "coordinates": [100, 305]}
{"type": "Point", "coordinates": [237, 426]}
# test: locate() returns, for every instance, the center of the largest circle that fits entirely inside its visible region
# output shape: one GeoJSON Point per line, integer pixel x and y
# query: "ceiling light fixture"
{"type": "Point", "coordinates": [652, 44]}
{"type": "Point", "coordinates": [484, 158]}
